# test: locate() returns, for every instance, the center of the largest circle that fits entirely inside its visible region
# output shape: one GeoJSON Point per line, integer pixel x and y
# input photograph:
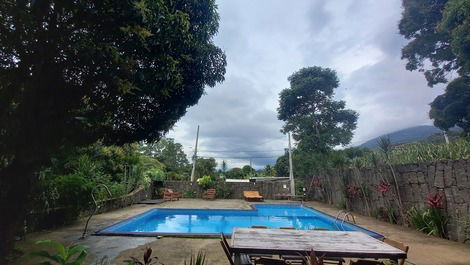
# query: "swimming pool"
{"type": "Point", "coordinates": [204, 222]}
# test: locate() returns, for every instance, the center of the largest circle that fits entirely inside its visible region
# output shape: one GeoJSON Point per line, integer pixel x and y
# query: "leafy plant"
{"type": "Point", "coordinates": [391, 213]}
{"type": "Point", "coordinates": [147, 259]}
{"type": "Point", "coordinates": [223, 192]}
{"type": "Point", "coordinates": [200, 259]}
{"type": "Point", "coordinates": [67, 255]}
{"type": "Point", "coordinates": [430, 221]}
{"type": "Point", "coordinates": [190, 194]}
{"type": "Point", "coordinates": [310, 258]}
{"type": "Point", "coordinates": [205, 182]}
{"type": "Point", "coordinates": [466, 226]}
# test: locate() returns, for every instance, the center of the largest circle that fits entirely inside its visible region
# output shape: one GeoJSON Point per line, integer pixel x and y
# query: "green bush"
{"type": "Point", "coordinates": [223, 192]}
{"type": "Point", "coordinates": [189, 194]}
{"type": "Point", "coordinates": [430, 221]}
{"type": "Point", "coordinates": [67, 255]}
{"type": "Point", "coordinates": [205, 182]}
{"type": "Point", "coordinates": [69, 181]}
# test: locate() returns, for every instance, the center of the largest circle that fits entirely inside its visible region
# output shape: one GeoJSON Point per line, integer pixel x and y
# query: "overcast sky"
{"type": "Point", "coordinates": [267, 40]}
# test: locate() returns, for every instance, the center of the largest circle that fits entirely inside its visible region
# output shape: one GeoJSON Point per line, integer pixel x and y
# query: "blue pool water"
{"type": "Point", "coordinates": [213, 222]}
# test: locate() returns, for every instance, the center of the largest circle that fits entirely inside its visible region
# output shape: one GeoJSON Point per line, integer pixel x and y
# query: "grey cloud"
{"type": "Point", "coordinates": [267, 40]}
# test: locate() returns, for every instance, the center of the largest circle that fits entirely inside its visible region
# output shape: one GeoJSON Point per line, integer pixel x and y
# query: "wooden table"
{"type": "Point", "coordinates": [329, 243]}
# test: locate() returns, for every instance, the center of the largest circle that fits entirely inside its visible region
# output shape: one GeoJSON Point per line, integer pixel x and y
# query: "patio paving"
{"type": "Point", "coordinates": [424, 250]}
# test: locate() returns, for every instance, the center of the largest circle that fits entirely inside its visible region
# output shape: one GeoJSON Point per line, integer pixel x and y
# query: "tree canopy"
{"type": "Point", "coordinates": [453, 107]}
{"type": "Point", "coordinates": [171, 154]}
{"type": "Point", "coordinates": [439, 46]}
{"type": "Point", "coordinates": [316, 120]}
{"type": "Point", "coordinates": [206, 167]}
{"type": "Point", "coordinates": [73, 72]}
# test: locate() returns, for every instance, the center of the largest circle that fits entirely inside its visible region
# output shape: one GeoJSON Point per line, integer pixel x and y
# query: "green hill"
{"type": "Point", "coordinates": [413, 134]}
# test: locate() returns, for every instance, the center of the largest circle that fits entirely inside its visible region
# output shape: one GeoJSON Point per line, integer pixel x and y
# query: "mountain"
{"type": "Point", "coordinates": [407, 135]}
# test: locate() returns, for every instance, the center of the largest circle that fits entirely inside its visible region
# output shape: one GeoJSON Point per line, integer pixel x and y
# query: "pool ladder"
{"type": "Point", "coordinates": [346, 215]}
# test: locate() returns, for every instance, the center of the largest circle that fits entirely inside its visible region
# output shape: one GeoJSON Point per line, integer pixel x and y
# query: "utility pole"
{"type": "Point", "coordinates": [291, 170]}
{"type": "Point", "coordinates": [195, 156]}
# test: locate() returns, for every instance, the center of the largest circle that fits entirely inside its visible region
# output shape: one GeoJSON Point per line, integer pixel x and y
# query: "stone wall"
{"type": "Point", "coordinates": [416, 182]}
{"type": "Point", "coordinates": [268, 189]}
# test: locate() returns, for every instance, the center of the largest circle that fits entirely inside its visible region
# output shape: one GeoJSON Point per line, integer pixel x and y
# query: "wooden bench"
{"type": "Point", "coordinates": [252, 195]}
{"type": "Point", "coordinates": [209, 194]}
{"type": "Point", "coordinates": [170, 195]}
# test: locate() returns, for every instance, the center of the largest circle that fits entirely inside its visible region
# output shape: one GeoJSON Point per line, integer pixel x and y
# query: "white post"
{"type": "Point", "coordinates": [291, 170]}
{"type": "Point", "coordinates": [446, 138]}
{"type": "Point", "coordinates": [195, 156]}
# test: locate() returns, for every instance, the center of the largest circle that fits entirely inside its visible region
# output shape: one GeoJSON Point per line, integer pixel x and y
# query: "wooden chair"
{"type": "Point", "coordinates": [170, 195]}
{"type": "Point", "coordinates": [252, 195]}
{"type": "Point", "coordinates": [209, 194]}
{"type": "Point", "coordinates": [390, 242]}
{"type": "Point", "coordinates": [271, 261]}
{"type": "Point", "coordinates": [298, 259]}
{"type": "Point", "coordinates": [245, 259]}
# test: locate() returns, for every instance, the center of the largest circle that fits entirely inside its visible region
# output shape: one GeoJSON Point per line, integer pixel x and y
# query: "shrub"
{"type": "Point", "coordinates": [205, 182]}
{"type": "Point", "coordinates": [67, 255]}
{"type": "Point", "coordinates": [430, 221]}
{"type": "Point", "coordinates": [223, 192]}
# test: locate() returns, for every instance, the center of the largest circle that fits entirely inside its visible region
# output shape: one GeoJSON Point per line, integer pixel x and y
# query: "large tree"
{"type": "Point", "coordinates": [73, 72]}
{"type": "Point", "coordinates": [206, 167]}
{"type": "Point", "coordinates": [169, 153]}
{"type": "Point", "coordinates": [316, 120]}
{"type": "Point", "coordinates": [439, 46]}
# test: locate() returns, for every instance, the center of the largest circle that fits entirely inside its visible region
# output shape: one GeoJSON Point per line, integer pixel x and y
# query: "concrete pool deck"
{"type": "Point", "coordinates": [424, 250]}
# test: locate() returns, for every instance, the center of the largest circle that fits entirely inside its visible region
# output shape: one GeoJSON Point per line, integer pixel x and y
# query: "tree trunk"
{"type": "Point", "coordinates": [15, 195]}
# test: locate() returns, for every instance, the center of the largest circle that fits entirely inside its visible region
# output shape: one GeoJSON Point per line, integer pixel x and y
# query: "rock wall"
{"type": "Point", "coordinates": [268, 189]}
{"type": "Point", "coordinates": [416, 183]}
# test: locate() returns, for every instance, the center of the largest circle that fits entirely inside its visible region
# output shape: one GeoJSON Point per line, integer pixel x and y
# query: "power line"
{"type": "Point", "coordinates": [234, 157]}
{"type": "Point", "coordinates": [242, 151]}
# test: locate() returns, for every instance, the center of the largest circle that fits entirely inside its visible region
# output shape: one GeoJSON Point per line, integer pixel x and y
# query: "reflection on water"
{"type": "Point", "coordinates": [207, 221]}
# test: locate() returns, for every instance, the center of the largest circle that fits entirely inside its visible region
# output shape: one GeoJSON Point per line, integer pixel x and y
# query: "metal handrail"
{"type": "Point", "coordinates": [344, 218]}
{"type": "Point", "coordinates": [337, 218]}
{"type": "Point", "coordinates": [96, 206]}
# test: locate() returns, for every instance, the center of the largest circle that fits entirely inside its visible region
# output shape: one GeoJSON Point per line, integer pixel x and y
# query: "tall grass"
{"type": "Point", "coordinates": [425, 152]}
{"type": "Point", "coordinates": [419, 152]}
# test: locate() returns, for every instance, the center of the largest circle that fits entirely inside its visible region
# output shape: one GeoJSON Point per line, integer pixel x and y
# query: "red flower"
{"type": "Point", "coordinates": [352, 191]}
{"type": "Point", "coordinates": [436, 200]}
{"type": "Point", "coordinates": [384, 187]}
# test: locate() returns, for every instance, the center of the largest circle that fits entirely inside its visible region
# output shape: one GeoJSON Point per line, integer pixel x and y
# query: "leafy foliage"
{"type": "Point", "coordinates": [200, 259]}
{"type": "Point", "coordinates": [438, 32]}
{"type": "Point", "coordinates": [147, 259]}
{"type": "Point", "coordinates": [316, 120]}
{"type": "Point", "coordinates": [206, 167]}
{"type": "Point", "coordinates": [419, 24]}
{"type": "Point", "coordinates": [453, 107]}
{"type": "Point", "coordinates": [430, 221]}
{"type": "Point", "coordinates": [171, 154]}
{"type": "Point", "coordinates": [75, 72]}
{"type": "Point", "coordinates": [234, 173]}
{"type": "Point", "coordinates": [205, 182]}
{"type": "Point", "coordinates": [67, 255]}
{"type": "Point", "coordinates": [70, 179]}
